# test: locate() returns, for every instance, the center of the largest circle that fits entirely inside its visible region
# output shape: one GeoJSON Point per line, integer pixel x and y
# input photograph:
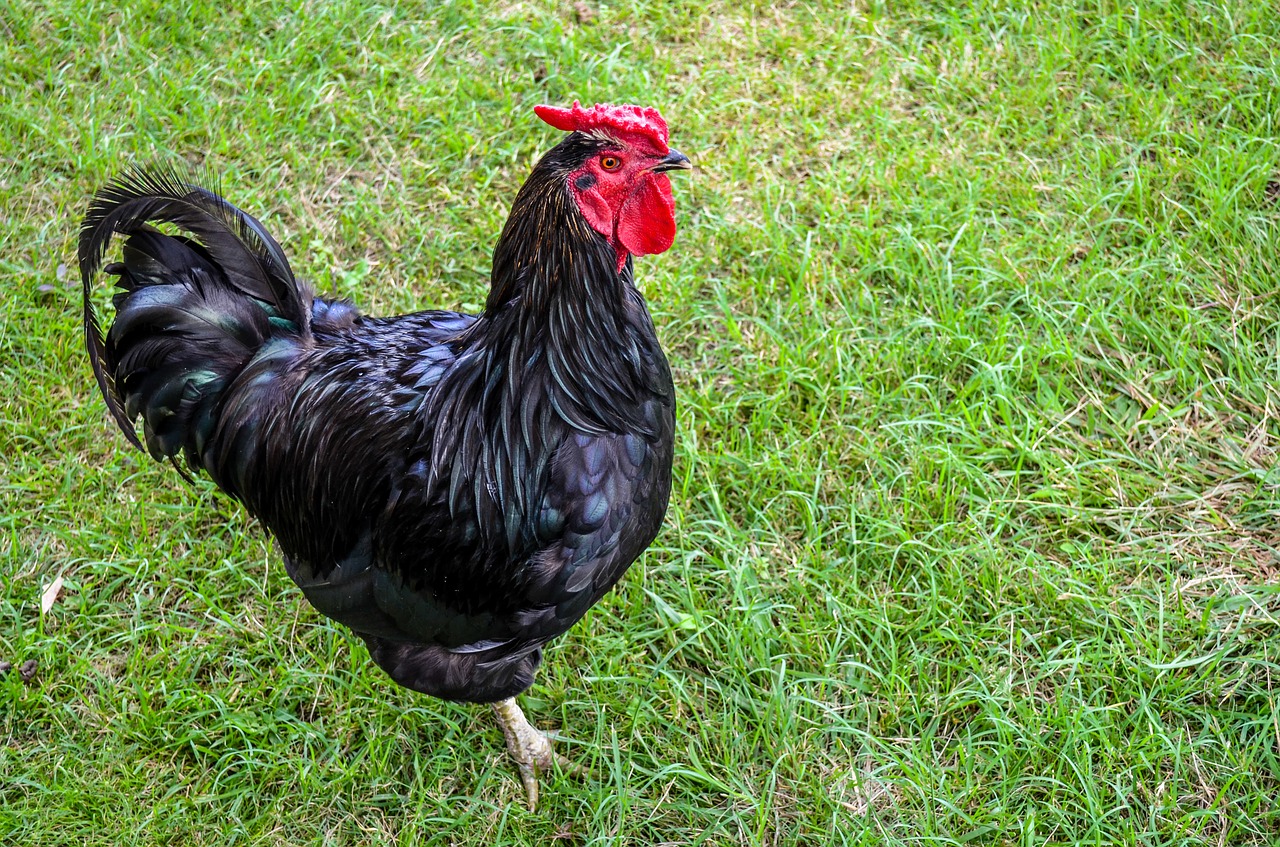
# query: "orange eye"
{"type": "Point", "coordinates": [610, 163]}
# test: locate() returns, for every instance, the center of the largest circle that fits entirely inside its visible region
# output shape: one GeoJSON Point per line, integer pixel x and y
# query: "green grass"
{"type": "Point", "coordinates": [974, 318]}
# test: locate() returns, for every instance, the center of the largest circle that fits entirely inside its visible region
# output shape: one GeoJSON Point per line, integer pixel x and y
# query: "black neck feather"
{"type": "Point", "coordinates": [565, 347]}
{"type": "Point", "coordinates": [560, 318]}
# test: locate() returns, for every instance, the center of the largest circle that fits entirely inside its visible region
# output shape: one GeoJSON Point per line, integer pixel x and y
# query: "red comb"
{"type": "Point", "coordinates": [623, 120]}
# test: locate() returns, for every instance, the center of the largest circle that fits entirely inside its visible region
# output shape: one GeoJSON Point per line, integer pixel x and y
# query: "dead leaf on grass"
{"type": "Point", "coordinates": [50, 596]}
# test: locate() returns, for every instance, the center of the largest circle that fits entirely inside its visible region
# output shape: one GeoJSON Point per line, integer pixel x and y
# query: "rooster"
{"type": "Point", "coordinates": [457, 489]}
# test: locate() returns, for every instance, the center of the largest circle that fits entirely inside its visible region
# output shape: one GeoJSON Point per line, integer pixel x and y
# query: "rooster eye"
{"type": "Point", "coordinates": [610, 163]}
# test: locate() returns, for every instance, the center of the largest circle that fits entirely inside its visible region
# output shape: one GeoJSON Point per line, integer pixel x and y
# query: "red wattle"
{"type": "Point", "coordinates": [647, 219]}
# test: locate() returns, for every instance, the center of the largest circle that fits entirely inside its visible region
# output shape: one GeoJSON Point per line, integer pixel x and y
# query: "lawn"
{"type": "Point", "coordinates": [974, 321]}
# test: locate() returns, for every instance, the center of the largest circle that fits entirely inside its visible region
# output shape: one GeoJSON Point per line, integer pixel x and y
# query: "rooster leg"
{"type": "Point", "coordinates": [530, 748]}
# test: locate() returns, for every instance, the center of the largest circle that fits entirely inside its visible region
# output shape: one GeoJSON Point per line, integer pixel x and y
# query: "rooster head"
{"type": "Point", "coordinates": [619, 178]}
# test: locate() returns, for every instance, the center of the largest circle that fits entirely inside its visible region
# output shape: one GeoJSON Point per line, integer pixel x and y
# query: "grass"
{"type": "Point", "coordinates": [974, 322]}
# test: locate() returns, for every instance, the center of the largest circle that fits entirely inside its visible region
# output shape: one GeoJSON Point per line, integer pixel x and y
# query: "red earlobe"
{"type": "Point", "coordinates": [596, 210]}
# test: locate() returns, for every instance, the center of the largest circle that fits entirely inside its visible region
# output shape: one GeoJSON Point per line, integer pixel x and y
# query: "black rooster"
{"type": "Point", "coordinates": [457, 489]}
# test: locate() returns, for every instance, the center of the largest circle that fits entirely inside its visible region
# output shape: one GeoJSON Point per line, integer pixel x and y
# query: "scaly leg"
{"type": "Point", "coordinates": [530, 748]}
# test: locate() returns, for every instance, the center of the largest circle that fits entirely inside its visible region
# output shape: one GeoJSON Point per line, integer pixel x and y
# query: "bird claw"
{"type": "Point", "coordinates": [531, 749]}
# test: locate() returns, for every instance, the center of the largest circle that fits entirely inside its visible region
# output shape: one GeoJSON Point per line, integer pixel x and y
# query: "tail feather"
{"type": "Point", "coordinates": [236, 243]}
{"type": "Point", "coordinates": [193, 308]}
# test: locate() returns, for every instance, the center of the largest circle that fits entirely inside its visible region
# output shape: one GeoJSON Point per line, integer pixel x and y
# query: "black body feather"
{"type": "Point", "coordinates": [457, 489]}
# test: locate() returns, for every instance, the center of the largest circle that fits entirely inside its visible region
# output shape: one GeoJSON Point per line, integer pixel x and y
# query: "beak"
{"type": "Point", "coordinates": [675, 161]}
